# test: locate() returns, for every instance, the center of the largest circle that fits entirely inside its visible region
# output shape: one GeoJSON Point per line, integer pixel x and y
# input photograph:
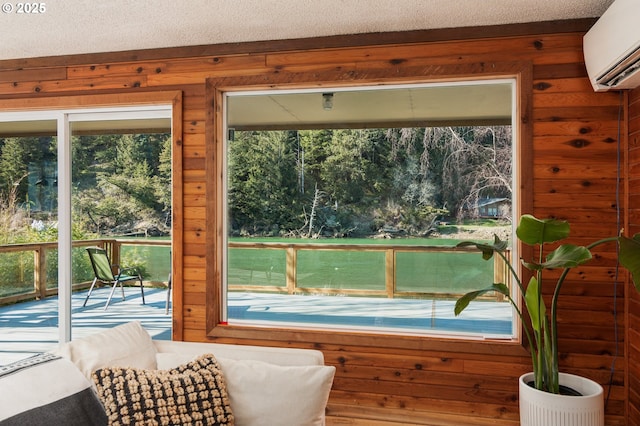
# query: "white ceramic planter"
{"type": "Point", "coordinates": [539, 408]}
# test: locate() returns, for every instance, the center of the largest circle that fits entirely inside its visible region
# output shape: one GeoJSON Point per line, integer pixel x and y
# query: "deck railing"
{"type": "Point", "coordinates": [391, 284]}
{"type": "Point", "coordinates": [40, 260]}
{"type": "Point", "coordinates": [32, 268]}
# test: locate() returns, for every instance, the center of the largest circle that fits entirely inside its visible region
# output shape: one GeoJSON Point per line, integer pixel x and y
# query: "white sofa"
{"type": "Point", "coordinates": [259, 385]}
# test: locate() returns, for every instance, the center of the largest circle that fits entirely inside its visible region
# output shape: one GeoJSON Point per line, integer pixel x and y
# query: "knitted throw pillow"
{"type": "Point", "coordinates": [190, 394]}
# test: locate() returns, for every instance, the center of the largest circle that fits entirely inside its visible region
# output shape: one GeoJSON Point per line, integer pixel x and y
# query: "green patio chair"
{"type": "Point", "coordinates": [103, 271]}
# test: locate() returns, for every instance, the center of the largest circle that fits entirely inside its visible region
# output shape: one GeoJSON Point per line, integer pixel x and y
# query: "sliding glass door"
{"type": "Point", "coordinates": [68, 175]}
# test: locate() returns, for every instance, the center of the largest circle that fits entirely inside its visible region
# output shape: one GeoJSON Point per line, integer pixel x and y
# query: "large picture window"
{"type": "Point", "coordinates": [344, 206]}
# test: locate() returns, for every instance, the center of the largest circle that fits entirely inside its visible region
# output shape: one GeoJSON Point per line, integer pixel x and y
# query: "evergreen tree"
{"type": "Point", "coordinates": [314, 149]}
{"type": "Point", "coordinates": [163, 178]}
{"type": "Point", "coordinates": [92, 155]}
{"type": "Point", "coordinates": [133, 175]}
{"type": "Point", "coordinates": [357, 166]}
{"type": "Point", "coordinates": [13, 167]}
{"type": "Point", "coordinates": [126, 186]}
{"type": "Point", "coordinates": [262, 181]}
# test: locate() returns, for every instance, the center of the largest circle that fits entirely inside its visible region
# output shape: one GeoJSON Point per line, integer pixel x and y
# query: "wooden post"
{"type": "Point", "coordinates": [501, 274]}
{"type": "Point", "coordinates": [40, 272]}
{"type": "Point", "coordinates": [291, 269]}
{"type": "Point", "coordinates": [115, 253]}
{"type": "Point", "coordinates": [390, 272]}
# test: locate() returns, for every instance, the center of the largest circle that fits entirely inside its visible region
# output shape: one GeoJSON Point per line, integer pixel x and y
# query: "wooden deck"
{"type": "Point", "coordinates": [31, 327]}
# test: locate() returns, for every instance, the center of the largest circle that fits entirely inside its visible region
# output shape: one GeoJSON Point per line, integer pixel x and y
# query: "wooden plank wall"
{"type": "Point", "coordinates": [404, 380]}
{"type": "Point", "coordinates": [633, 307]}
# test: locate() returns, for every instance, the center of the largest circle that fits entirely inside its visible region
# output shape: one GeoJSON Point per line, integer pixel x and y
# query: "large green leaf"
{"type": "Point", "coordinates": [532, 266]}
{"type": "Point", "coordinates": [531, 299]}
{"type": "Point", "coordinates": [567, 256]}
{"type": "Point", "coordinates": [629, 257]}
{"type": "Point", "coordinates": [486, 249]}
{"type": "Point", "coordinates": [534, 231]}
{"type": "Point", "coordinates": [464, 301]}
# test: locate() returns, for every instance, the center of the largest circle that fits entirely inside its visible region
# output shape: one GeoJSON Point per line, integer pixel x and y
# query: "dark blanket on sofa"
{"type": "Point", "coordinates": [47, 390]}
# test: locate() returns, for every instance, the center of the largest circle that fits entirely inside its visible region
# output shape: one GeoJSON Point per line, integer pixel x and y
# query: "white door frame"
{"type": "Point", "coordinates": [64, 119]}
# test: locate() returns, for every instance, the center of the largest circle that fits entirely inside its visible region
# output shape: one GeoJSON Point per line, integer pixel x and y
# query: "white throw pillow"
{"type": "Point", "coordinates": [47, 390]}
{"type": "Point", "coordinates": [126, 345]}
{"type": "Point", "coordinates": [261, 393]}
{"type": "Point", "coordinates": [169, 360]}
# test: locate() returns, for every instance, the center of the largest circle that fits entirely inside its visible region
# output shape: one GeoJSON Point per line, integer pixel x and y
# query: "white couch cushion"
{"type": "Point", "coordinates": [273, 355]}
{"type": "Point", "coordinates": [127, 345]}
{"type": "Point", "coordinates": [266, 385]}
{"type": "Point", "coordinates": [265, 393]}
{"type": "Point", "coordinates": [262, 393]}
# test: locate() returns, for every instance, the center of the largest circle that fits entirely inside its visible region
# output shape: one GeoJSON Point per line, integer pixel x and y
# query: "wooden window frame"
{"type": "Point", "coordinates": [216, 88]}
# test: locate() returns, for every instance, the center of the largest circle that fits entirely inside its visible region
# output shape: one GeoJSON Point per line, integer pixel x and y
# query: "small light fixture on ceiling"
{"type": "Point", "coordinates": [327, 101]}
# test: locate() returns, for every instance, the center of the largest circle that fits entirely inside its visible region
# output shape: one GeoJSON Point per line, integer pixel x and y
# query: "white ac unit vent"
{"type": "Point", "coordinates": [612, 48]}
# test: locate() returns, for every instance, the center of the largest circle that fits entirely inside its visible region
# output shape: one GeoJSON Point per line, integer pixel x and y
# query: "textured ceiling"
{"type": "Point", "coordinates": [92, 26]}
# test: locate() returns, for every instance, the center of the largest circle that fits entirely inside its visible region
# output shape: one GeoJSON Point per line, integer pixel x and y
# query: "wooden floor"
{"type": "Point", "coordinates": [31, 327]}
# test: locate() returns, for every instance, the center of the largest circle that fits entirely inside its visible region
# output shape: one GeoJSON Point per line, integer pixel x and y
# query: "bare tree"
{"type": "Point", "coordinates": [475, 162]}
{"type": "Point", "coordinates": [314, 205]}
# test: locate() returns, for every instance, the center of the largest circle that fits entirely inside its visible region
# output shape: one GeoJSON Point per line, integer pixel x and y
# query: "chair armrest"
{"type": "Point", "coordinates": [129, 270]}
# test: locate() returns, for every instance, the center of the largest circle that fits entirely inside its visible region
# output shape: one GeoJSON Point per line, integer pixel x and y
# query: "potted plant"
{"type": "Point", "coordinates": [546, 381]}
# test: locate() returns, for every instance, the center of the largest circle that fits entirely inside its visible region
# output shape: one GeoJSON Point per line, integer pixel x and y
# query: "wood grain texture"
{"type": "Point", "coordinates": [632, 222]}
{"type": "Point", "coordinates": [570, 164]}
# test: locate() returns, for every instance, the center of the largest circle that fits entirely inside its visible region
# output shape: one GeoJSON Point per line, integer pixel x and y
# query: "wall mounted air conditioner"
{"type": "Point", "coordinates": [612, 48]}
